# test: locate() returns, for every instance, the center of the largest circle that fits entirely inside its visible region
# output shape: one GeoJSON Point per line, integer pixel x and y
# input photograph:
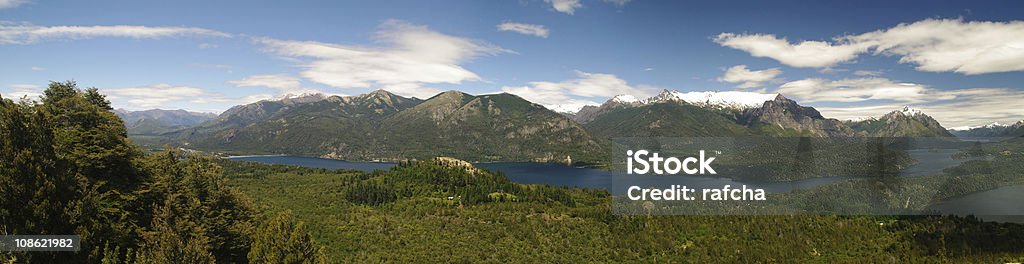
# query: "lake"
{"type": "Point", "coordinates": [551, 174]}
{"type": "Point", "coordinates": [1001, 204]}
{"type": "Point", "coordinates": [930, 162]}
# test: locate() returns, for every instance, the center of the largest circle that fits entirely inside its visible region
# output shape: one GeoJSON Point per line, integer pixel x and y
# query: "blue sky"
{"type": "Point", "coordinates": [960, 62]}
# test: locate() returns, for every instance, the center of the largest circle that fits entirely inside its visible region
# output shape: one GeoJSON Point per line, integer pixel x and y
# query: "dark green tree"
{"type": "Point", "coordinates": [282, 240]}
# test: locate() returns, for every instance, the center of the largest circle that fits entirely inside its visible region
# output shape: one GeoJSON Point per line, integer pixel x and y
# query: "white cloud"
{"type": "Point", "coordinates": [4, 4]}
{"type": "Point", "coordinates": [934, 45]}
{"type": "Point", "coordinates": [208, 46]}
{"type": "Point", "coordinates": [224, 67]}
{"type": "Point", "coordinates": [856, 90]}
{"type": "Point", "coordinates": [25, 33]}
{"type": "Point", "coordinates": [865, 97]}
{"type": "Point", "coordinates": [807, 54]}
{"type": "Point", "coordinates": [565, 6]}
{"type": "Point", "coordinates": [276, 81]}
{"type": "Point", "coordinates": [954, 45]}
{"type": "Point", "coordinates": [168, 96]}
{"type": "Point", "coordinates": [412, 89]}
{"type": "Point", "coordinates": [968, 107]}
{"type": "Point", "coordinates": [567, 93]}
{"type": "Point", "coordinates": [748, 78]}
{"type": "Point", "coordinates": [527, 29]}
{"type": "Point", "coordinates": [867, 73]}
{"type": "Point", "coordinates": [17, 91]}
{"type": "Point", "coordinates": [155, 95]}
{"type": "Point", "coordinates": [411, 57]}
{"type": "Point", "coordinates": [619, 3]}
{"type": "Point", "coordinates": [37, 68]}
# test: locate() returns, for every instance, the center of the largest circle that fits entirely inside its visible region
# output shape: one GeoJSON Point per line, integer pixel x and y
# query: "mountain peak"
{"type": "Point", "coordinates": [301, 98]}
{"type": "Point", "coordinates": [728, 99]}
{"type": "Point", "coordinates": [624, 98]}
{"type": "Point", "coordinates": [779, 97]}
{"type": "Point", "coordinates": [380, 92]}
{"type": "Point", "coordinates": [453, 93]}
{"type": "Point", "coordinates": [910, 111]}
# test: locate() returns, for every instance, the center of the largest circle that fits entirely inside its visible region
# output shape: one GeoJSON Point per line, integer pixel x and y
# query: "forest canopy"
{"type": "Point", "coordinates": [67, 168]}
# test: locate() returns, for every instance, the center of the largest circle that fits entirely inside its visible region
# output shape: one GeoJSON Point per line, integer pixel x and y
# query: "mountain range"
{"type": "Point", "coordinates": [991, 130]}
{"type": "Point", "coordinates": [384, 126]}
{"type": "Point", "coordinates": [504, 127]}
{"type": "Point", "coordinates": [156, 121]}
{"type": "Point", "coordinates": [672, 113]}
{"type": "Point", "coordinates": [908, 122]}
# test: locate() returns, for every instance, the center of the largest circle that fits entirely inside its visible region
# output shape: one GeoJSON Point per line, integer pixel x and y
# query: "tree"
{"type": "Point", "coordinates": [67, 167]}
{"type": "Point", "coordinates": [281, 240]}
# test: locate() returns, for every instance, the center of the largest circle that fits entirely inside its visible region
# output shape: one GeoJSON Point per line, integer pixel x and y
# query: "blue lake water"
{"type": "Point", "coordinates": [930, 162]}
{"type": "Point", "coordinates": [552, 174]}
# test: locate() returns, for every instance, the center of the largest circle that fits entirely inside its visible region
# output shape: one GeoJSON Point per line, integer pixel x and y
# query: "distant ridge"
{"type": "Point", "coordinates": [383, 126]}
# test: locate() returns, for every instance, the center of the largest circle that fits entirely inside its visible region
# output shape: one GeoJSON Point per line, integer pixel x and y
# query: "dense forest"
{"type": "Point", "coordinates": [67, 167]}
{"type": "Point", "coordinates": [442, 211]}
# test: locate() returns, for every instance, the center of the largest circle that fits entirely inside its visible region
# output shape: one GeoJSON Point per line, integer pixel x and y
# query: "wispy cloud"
{"type": "Point", "coordinates": [749, 78]}
{"type": "Point", "coordinates": [618, 3]}
{"type": "Point", "coordinates": [865, 97]}
{"type": "Point", "coordinates": [856, 90]}
{"type": "Point", "coordinates": [969, 107]}
{"type": "Point", "coordinates": [565, 6]}
{"type": "Point", "coordinates": [224, 67]}
{"type": "Point", "coordinates": [526, 29]}
{"type": "Point", "coordinates": [18, 91]}
{"type": "Point", "coordinates": [933, 45]}
{"type": "Point", "coordinates": [155, 95]}
{"type": "Point", "coordinates": [412, 57]}
{"type": "Point", "coordinates": [284, 84]}
{"type": "Point", "coordinates": [583, 90]}
{"type": "Point", "coordinates": [26, 33]}
{"type": "Point", "coordinates": [867, 73]}
{"type": "Point", "coordinates": [166, 95]}
{"type": "Point", "coordinates": [4, 4]}
{"type": "Point", "coordinates": [810, 54]}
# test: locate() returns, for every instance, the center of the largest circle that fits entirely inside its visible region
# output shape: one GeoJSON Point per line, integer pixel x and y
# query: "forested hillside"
{"type": "Point", "coordinates": [448, 211]}
{"type": "Point", "coordinates": [385, 126]}
{"type": "Point", "coordinates": [67, 168]}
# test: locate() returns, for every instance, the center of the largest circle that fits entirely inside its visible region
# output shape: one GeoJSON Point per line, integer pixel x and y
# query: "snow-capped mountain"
{"type": "Point", "coordinates": [728, 99]}
{"type": "Point", "coordinates": [733, 100]}
{"type": "Point", "coordinates": [994, 129]}
{"type": "Point", "coordinates": [910, 111]}
{"type": "Point", "coordinates": [568, 109]}
{"type": "Point", "coordinates": [624, 99]}
{"type": "Point", "coordinates": [302, 97]}
{"type": "Point", "coordinates": [992, 125]}
{"type": "Point", "coordinates": [904, 122]}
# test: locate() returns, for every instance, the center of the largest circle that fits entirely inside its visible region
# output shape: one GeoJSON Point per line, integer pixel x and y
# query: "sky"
{"type": "Point", "coordinates": [960, 62]}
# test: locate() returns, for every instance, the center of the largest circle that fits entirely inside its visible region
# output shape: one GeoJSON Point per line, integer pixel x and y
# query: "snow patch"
{"type": "Point", "coordinates": [624, 98]}
{"type": "Point", "coordinates": [728, 99]}
{"type": "Point", "coordinates": [910, 111]}
{"type": "Point", "coordinates": [567, 108]}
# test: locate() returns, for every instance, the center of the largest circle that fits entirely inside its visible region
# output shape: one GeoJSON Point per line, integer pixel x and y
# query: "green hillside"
{"type": "Point", "coordinates": [449, 212]}
{"type": "Point", "coordinates": [384, 126]}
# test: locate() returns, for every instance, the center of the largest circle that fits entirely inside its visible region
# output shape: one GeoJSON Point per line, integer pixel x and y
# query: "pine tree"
{"type": "Point", "coordinates": [281, 240]}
